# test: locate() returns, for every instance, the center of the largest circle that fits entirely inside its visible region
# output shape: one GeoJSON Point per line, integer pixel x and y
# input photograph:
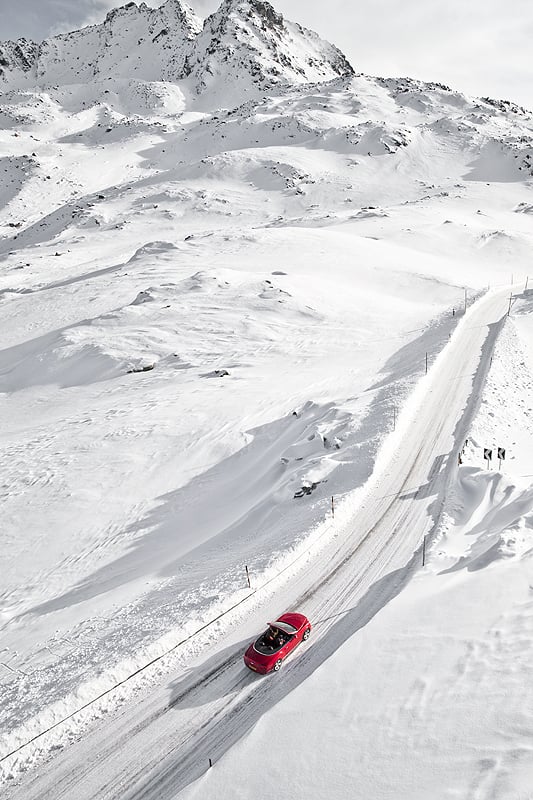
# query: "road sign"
{"type": "Point", "coordinates": [501, 453]}
{"type": "Point", "coordinates": [487, 453]}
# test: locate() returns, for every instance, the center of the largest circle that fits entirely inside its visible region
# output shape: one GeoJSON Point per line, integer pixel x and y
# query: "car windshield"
{"type": "Point", "coordinates": [290, 630]}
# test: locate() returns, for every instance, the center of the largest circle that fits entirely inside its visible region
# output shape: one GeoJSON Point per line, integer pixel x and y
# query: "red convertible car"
{"type": "Point", "coordinates": [267, 653]}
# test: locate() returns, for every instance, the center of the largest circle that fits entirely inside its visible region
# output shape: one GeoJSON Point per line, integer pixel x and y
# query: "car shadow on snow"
{"type": "Point", "coordinates": [221, 674]}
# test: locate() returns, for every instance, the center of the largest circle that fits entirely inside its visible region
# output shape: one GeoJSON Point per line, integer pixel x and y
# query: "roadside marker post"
{"type": "Point", "coordinates": [332, 506]}
{"type": "Point", "coordinates": [248, 576]}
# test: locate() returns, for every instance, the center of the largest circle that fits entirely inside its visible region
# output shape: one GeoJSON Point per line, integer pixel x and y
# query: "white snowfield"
{"type": "Point", "coordinates": [159, 745]}
{"type": "Point", "coordinates": [219, 295]}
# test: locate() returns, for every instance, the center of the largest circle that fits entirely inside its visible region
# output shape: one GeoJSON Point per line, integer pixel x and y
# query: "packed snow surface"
{"type": "Point", "coordinates": [233, 300]}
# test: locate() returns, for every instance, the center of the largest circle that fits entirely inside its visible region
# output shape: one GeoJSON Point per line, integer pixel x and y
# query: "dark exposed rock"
{"type": "Point", "coordinates": [306, 489]}
{"type": "Point", "coordinates": [216, 373]}
{"type": "Point", "coordinates": [147, 368]}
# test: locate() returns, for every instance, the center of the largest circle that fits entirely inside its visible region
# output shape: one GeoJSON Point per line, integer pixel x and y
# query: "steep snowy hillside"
{"type": "Point", "coordinates": [226, 261]}
{"type": "Point", "coordinates": [134, 42]}
{"type": "Point", "coordinates": [245, 46]}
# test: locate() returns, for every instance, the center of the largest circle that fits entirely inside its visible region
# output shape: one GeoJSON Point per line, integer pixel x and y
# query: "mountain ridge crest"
{"type": "Point", "coordinates": [246, 42]}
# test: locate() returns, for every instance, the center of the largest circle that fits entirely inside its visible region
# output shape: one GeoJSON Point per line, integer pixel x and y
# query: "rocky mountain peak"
{"type": "Point", "coordinates": [19, 55]}
{"type": "Point", "coordinates": [172, 10]}
{"type": "Point", "coordinates": [253, 8]}
{"type": "Point", "coordinates": [134, 41]}
{"type": "Point", "coordinates": [250, 46]}
{"type": "Point", "coordinates": [245, 47]}
{"type": "Point", "coordinates": [122, 12]}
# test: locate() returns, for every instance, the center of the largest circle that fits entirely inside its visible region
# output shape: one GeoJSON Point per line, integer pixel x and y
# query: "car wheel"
{"type": "Point", "coordinates": [306, 634]}
{"type": "Point", "coordinates": [277, 665]}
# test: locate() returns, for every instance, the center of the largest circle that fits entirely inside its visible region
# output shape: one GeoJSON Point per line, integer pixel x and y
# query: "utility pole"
{"type": "Point", "coordinates": [510, 301]}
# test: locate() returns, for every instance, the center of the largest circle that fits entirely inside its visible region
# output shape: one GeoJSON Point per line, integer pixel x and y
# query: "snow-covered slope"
{"type": "Point", "coordinates": [134, 42]}
{"type": "Point", "coordinates": [431, 697]}
{"type": "Point", "coordinates": [225, 263]}
{"type": "Point", "coordinates": [245, 46]}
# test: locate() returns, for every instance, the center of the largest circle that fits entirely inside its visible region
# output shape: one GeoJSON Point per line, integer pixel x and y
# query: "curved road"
{"type": "Point", "coordinates": [159, 744]}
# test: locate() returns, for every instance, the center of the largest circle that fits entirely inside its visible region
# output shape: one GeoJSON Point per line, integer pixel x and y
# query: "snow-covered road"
{"type": "Point", "coordinates": [159, 744]}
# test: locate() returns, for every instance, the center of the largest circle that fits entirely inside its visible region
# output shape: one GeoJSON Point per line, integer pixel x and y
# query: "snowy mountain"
{"type": "Point", "coordinates": [227, 263]}
{"type": "Point", "coordinates": [246, 44]}
{"type": "Point", "coordinates": [134, 42]}
{"type": "Point", "coordinates": [244, 41]}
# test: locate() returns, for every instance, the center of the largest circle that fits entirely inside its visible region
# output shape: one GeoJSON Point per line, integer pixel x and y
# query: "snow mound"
{"type": "Point", "coordinates": [369, 212]}
{"type": "Point", "coordinates": [524, 208]}
{"type": "Point", "coordinates": [62, 358]}
{"type": "Point", "coordinates": [143, 297]}
{"type": "Point", "coordinates": [492, 519]}
{"type": "Point", "coordinates": [152, 250]}
{"type": "Point", "coordinates": [502, 244]}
